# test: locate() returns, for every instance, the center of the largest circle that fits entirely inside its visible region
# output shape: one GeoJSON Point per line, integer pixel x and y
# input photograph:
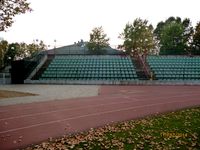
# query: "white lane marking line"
{"type": "Point", "coordinates": [89, 99]}
{"type": "Point", "coordinates": [85, 98]}
{"type": "Point", "coordinates": [73, 108]}
{"type": "Point", "coordinates": [89, 115]}
{"type": "Point", "coordinates": [67, 109]}
{"type": "Point", "coordinates": [77, 108]}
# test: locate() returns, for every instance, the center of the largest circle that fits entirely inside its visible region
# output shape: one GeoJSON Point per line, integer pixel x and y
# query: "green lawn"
{"type": "Point", "coordinates": [175, 130]}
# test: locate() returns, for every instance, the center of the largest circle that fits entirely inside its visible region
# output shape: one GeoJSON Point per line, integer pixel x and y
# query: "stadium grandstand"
{"type": "Point", "coordinates": [74, 64]}
{"type": "Point", "coordinates": [175, 67]}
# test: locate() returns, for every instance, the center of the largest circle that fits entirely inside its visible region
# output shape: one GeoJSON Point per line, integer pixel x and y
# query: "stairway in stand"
{"type": "Point", "coordinates": [43, 68]}
{"type": "Point", "coordinates": [139, 69]}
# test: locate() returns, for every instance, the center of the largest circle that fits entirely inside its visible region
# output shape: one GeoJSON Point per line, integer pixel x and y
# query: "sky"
{"type": "Point", "coordinates": [69, 21]}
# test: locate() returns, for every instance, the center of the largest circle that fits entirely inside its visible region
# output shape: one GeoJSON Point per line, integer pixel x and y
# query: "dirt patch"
{"type": "Point", "coordinates": [9, 94]}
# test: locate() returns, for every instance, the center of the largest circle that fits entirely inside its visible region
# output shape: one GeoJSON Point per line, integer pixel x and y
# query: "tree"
{"type": "Point", "coordinates": [98, 41]}
{"type": "Point", "coordinates": [17, 51]}
{"type": "Point", "coordinates": [11, 53]}
{"type": "Point", "coordinates": [138, 38]}
{"type": "Point", "coordinates": [34, 48]}
{"type": "Point", "coordinates": [23, 51]}
{"type": "Point", "coordinates": [172, 38]}
{"type": "Point", "coordinates": [3, 50]}
{"type": "Point", "coordinates": [29, 50]}
{"type": "Point", "coordinates": [196, 39]}
{"type": "Point", "coordinates": [160, 25]}
{"type": "Point", "coordinates": [174, 35]}
{"type": "Point", "coordinates": [9, 9]}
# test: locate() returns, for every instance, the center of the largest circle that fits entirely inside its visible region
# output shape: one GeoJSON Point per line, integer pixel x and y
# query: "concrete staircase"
{"type": "Point", "coordinates": [43, 68]}
{"type": "Point", "coordinates": [142, 69]}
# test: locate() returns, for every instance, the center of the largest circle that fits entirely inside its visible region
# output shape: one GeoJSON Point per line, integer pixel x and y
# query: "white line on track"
{"type": "Point", "coordinates": [89, 115]}
{"type": "Point", "coordinates": [95, 105]}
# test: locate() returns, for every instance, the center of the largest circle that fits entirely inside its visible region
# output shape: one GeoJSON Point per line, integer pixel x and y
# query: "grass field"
{"type": "Point", "coordinates": [9, 94]}
{"type": "Point", "coordinates": [175, 130]}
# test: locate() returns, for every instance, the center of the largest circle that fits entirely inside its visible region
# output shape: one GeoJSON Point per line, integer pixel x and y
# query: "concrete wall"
{"type": "Point", "coordinates": [5, 78]}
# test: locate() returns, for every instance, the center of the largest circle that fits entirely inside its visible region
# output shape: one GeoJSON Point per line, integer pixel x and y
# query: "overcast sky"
{"type": "Point", "coordinates": [68, 21]}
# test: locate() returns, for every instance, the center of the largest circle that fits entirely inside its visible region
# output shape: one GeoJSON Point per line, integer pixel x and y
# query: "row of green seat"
{"type": "Point", "coordinates": [177, 63]}
{"type": "Point", "coordinates": [90, 78]}
{"type": "Point", "coordinates": [72, 67]}
{"type": "Point", "coordinates": [175, 67]}
{"type": "Point", "coordinates": [176, 76]}
{"type": "Point", "coordinates": [180, 57]}
{"type": "Point", "coordinates": [90, 68]}
{"type": "Point", "coordinates": [163, 69]}
{"type": "Point", "coordinates": [92, 73]}
{"type": "Point", "coordinates": [91, 64]}
{"type": "Point", "coordinates": [85, 57]}
{"type": "Point", "coordinates": [92, 58]}
{"type": "Point", "coordinates": [178, 73]}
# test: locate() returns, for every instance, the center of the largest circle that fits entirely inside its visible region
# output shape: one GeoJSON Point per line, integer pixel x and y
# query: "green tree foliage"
{"type": "Point", "coordinates": [16, 51]}
{"type": "Point", "coordinates": [196, 39]}
{"type": "Point", "coordinates": [11, 53]}
{"type": "Point", "coordinates": [3, 49]}
{"type": "Point", "coordinates": [98, 41]}
{"type": "Point", "coordinates": [138, 38]}
{"type": "Point", "coordinates": [171, 37]}
{"type": "Point", "coordinates": [23, 52]}
{"type": "Point", "coordinates": [34, 48]}
{"type": "Point", "coordinates": [10, 8]}
{"type": "Point", "coordinates": [174, 35]}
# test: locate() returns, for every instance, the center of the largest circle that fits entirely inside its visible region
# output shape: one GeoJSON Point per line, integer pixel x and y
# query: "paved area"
{"type": "Point", "coordinates": [25, 124]}
{"type": "Point", "coordinates": [48, 92]}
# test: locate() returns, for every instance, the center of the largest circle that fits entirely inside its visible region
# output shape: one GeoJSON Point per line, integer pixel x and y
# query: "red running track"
{"type": "Point", "coordinates": [25, 124]}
